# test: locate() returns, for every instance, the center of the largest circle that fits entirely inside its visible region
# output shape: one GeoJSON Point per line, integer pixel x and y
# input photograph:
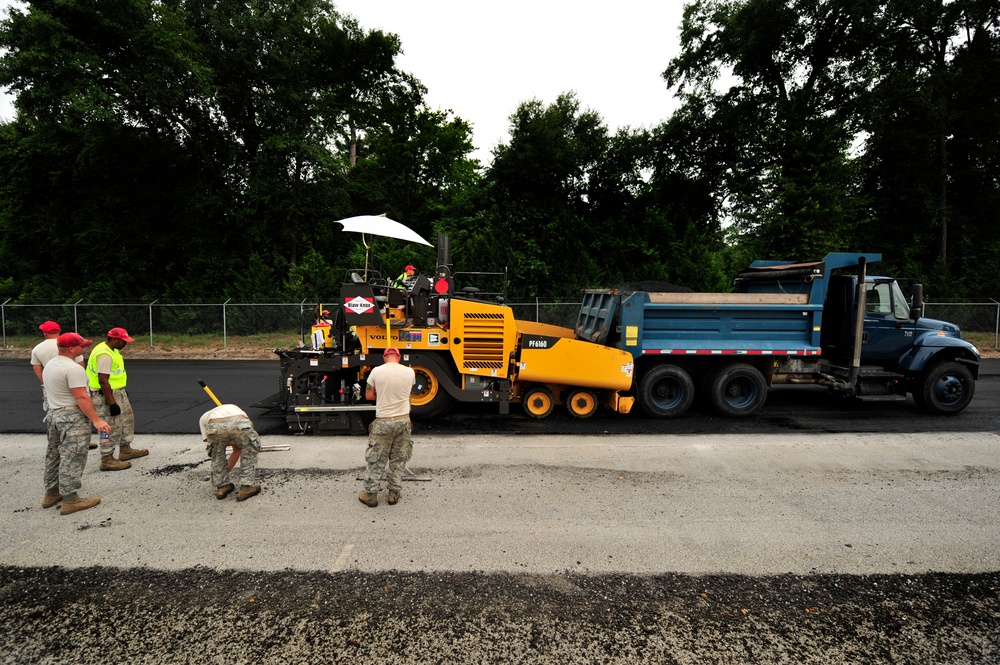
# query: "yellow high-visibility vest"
{"type": "Point", "coordinates": [117, 378]}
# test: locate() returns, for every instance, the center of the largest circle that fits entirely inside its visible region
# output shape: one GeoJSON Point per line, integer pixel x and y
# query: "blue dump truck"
{"type": "Point", "coordinates": [786, 323]}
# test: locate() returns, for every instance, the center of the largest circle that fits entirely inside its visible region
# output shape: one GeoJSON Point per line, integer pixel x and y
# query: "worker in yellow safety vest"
{"type": "Point", "coordinates": [106, 378]}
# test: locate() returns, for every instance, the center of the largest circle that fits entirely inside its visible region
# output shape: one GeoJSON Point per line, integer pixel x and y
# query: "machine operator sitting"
{"type": "Point", "coordinates": [407, 279]}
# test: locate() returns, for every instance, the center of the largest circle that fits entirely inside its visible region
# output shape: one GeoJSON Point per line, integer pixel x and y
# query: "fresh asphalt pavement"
{"type": "Point", "coordinates": [168, 400]}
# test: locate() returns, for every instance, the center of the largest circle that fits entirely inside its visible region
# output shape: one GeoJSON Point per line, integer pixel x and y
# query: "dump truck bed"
{"type": "Point", "coordinates": [702, 323]}
{"type": "Point", "coordinates": [777, 309]}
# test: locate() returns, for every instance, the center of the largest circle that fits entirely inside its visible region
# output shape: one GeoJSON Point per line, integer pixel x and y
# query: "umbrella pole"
{"type": "Point", "coordinates": [367, 252]}
{"type": "Point", "coordinates": [388, 338]}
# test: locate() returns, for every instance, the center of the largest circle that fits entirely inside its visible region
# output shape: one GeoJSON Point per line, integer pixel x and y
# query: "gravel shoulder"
{"type": "Point", "coordinates": [102, 615]}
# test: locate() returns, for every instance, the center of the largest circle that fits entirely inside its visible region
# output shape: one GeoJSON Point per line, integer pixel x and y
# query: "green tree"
{"type": "Point", "coordinates": [539, 189]}
{"type": "Point", "coordinates": [204, 144]}
{"type": "Point", "coordinates": [779, 80]}
{"type": "Point", "coordinates": [931, 150]}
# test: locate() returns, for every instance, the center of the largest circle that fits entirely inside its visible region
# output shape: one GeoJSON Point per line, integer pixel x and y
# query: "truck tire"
{"type": "Point", "coordinates": [428, 398]}
{"type": "Point", "coordinates": [581, 403]}
{"type": "Point", "coordinates": [666, 391]}
{"type": "Point", "coordinates": [538, 402]}
{"type": "Point", "coordinates": [737, 390]}
{"type": "Point", "coordinates": [945, 389]}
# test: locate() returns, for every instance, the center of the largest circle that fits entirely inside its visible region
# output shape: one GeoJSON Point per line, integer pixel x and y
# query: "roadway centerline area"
{"type": "Point", "coordinates": [641, 504]}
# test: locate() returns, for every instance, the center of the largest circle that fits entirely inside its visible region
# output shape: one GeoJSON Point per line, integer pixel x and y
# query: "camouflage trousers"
{"type": "Point", "coordinates": [390, 446]}
{"type": "Point", "coordinates": [45, 405]}
{"type": "Point", "coordinates": [66, 455]}
{"type": "Point", "coordinates": [122, 426]}
{"type": "Point", "coordinates": [241, 434]}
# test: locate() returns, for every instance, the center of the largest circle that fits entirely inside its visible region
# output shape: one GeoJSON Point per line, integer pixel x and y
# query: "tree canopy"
{"type": "Point", "coordinates": [198, 149]}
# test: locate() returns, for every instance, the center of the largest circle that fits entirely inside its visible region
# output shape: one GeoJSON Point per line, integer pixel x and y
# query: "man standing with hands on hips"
{"type": "Point", "coordinates": [107, 379]}
{"type": "Point", "coordinates": [390, 442]}
{"type": "Point", "coordinates": [70, 409]}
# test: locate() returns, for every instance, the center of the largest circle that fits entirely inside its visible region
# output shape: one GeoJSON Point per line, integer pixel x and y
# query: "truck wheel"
{"type": "Point", "coordinates": [947, 388]}
{"type": "Point", "coordinates": [582, 403]}
{"type": "Point", "coordinates": [737, 390]}
{"type": "Point", "coordinates": [666, 392]}
{"type": "Point", "coordinates": [538, 402]}
{"type": "Point", "coordinates": [428, 398]}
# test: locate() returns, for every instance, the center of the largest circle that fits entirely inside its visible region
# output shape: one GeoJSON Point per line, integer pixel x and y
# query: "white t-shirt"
{"type": "Point", "coordinates": [224, 411]}
{"type": "Point", "coordinates": [59, 376]}
{"type": "Point", "coordinates": [45, 351]}
{"type": "Point", "coordinates": [393, 383]}
{"type": "Point", "coordinates": [104, 364]}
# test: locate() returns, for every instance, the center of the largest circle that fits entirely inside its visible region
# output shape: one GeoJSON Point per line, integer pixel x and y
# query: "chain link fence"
{"type": "Point", "coordinates": [971, 317]}
{"type": "Point", "coordinates": [150, 322]}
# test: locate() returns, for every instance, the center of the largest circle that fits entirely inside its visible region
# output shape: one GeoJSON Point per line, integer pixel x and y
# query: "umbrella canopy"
{"type": "Point", "coordinates": [375, 225]}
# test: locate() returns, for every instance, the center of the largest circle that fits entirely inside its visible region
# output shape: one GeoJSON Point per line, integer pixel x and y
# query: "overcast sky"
{"type": "Point", "coordinates": [481, 59]}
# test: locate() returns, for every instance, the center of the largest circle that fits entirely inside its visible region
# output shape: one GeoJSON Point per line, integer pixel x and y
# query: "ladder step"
{"type": "Point", "coordinates": [881, 398]}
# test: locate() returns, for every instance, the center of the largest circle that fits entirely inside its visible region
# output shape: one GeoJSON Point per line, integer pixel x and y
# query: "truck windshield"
{"type": "Point", "coordinates": [885, 298]}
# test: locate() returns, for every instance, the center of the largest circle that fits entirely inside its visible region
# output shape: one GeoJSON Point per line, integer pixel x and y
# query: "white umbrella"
{"type": "Point", "coordinates": [377, 225]}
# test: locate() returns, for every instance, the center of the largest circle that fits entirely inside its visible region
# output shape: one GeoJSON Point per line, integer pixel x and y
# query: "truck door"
{"type": "Point", "coordinates": [888, 331]}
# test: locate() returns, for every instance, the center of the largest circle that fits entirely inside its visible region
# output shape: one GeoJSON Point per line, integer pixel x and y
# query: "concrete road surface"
{"type": "Point", "coordinates": [749, 504]}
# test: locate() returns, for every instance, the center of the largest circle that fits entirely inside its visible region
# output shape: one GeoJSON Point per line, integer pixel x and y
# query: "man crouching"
{"type": "Point", "coordinates": [229, 425]}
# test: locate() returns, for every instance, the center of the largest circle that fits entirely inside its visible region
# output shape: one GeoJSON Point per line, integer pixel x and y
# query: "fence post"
{"type": "Point", "coordinates": [537, 313]}
{"type": "Point", "coordinates": [3, 320]}
{"type": "Point", "coordinates": [996, 327]}
{"type": "Point", "coordinates": [76, 320]}
{"type": "Point", "coordinates": [224, 340]}
{"type": "Point", "coordinates": [302, 317]}
{"type": "Point", "coordinates": [151, 322]}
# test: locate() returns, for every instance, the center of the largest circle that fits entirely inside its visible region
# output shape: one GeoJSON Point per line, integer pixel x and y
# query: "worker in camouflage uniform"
{"type": "Point", "coordinates": [70, 414]}
{"type": "Point", "coordinates": [229, 425]}
{"type": "Point", "coordinates": [107, 380]}
{"type": "Point", "coordinates": [390, 442]}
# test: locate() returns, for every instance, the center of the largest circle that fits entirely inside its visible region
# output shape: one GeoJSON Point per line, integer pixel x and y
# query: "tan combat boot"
{"type": "Point", "coordinates": [247, 491]}
{"type": "Point", "coordinates": [223, 492]}
{"type": "Point", "coordinates": [393, 497]}
{"type": "Point", "coordinates": [370, 499]}
{"type": "Point", "coordinates": [127, 452]}
{"type": "Point", "coordinates": [109, 463]}
{"type": "Point", "coordinates": [76, 504]}
{"type": "Point", "coordinates": [51, 499]}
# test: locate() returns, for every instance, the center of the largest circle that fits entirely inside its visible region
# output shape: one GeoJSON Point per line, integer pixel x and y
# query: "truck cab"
{"type": "Point", "coordinates": [899, 350]}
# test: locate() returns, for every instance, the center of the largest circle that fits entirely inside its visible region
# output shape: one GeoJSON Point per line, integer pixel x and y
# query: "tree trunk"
{"type": "Point", "coordinates": [943, 198]}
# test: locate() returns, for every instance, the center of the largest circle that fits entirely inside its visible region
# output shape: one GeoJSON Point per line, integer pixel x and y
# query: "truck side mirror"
{"type": "Point", "coordinates": [917, 303]}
